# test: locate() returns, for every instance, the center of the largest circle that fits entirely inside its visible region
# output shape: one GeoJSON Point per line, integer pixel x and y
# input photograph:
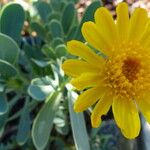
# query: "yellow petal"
{"type": "Point", "coordinates": [138, 22]}
{"type": "Point", "coordinates": [88, 98]}
{"type": "Point", "coordinates": [106, 25]}
{"type": "Point", "coordinates": [145, 40]}
{"type": "Point", "coordinates": [80, 49]}
{"type": "Point", "coordinates": [86, 80]}
{"type": "Point", "coordinates": [101, 108]}
{"type": "Point", "coordinates": [75, 68]}
{"type": "Point", "coordinates": [123, 21]}
{"type": "Point", "coordinates": [144, 106]}
{"type": "Point", "coordinates": [92, 35]}
{"type": "Point", "coordinates": [127, 117]}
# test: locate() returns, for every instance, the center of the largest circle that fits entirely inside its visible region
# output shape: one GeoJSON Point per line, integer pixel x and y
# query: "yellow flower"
{"type": "Point", "coordinates": [122, 78]}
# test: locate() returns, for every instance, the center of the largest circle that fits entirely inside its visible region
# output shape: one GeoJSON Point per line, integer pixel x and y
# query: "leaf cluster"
{"type": "Point", "coordinates": [36, 106]}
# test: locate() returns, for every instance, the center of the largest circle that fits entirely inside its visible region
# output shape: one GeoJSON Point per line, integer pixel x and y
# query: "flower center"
{"type": "Point", "coordinates": [127, 73]}
{"type": "Point", "coordinates": [131, 68]}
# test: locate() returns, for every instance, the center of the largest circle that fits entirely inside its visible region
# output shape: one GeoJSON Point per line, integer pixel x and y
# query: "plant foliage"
{"type": "Point", "coordinates": [35, 103]}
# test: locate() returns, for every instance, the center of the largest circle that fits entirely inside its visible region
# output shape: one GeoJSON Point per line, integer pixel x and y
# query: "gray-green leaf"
{"type": "Point", "coordinates": [44, 10]}
{"type": "Point", "coordinates": [24, 126]}
{"type": "Point", "coordinates": [3, 104]}
{"type": "Point", "coordinates": [12, 20]}
{"type": "Point", "coordinates": [9, 50]}
{"type": "Point", "coordinates": [68, 17]}
{"type": "Point", "coordinates": [9, 70]}
{"type": "Point", "coordinates": [40, 88]}
{"type": "Point", "coordinates": [88, 16]}
{"type": "Point", "coordinates": [43, 122]}
{"type": "Point", "coordinates": [78, 125]}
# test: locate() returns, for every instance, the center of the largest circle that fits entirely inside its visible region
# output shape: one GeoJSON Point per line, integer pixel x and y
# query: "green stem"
{"type": "Point", "coordinates": [30, 106]}
{"type": "Point", "coordinates": [63, 84]}
{"type": "Point", "coordinates": [14, 100]}
{"type": "Point", "coordinates": [15, 116]}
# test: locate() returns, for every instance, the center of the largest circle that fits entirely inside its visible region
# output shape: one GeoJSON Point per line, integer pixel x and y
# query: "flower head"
{"type": "Point", "coordinates": [122, 78]}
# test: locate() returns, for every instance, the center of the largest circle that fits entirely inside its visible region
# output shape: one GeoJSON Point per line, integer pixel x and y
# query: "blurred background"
{"type": "Point", "coordinates": [83, 3]}
{"type": "Point", "coordinates": [35, 103]}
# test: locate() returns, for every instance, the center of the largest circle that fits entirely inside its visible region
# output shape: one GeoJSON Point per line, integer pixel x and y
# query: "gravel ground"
{"type": "Point", "coordinates": [111, 5]}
